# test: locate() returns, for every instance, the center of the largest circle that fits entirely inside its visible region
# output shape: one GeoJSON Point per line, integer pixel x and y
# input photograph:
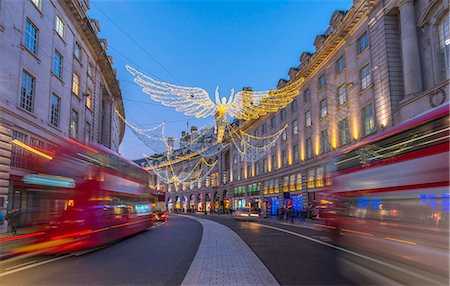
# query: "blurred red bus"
{"type": "Point", "coordinates": [390, 196]}
{"type": "Point", "coordinates": [96, 197]}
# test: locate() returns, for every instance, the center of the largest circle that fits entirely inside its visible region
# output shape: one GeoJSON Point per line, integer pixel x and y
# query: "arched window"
{"type": "Point", "coordinates": [444, 45]}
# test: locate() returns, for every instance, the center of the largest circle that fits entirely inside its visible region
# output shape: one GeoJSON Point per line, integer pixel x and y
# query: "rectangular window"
{"type": "Point", "coordinates": [365, 77]}
{"type": "Point", "coordinates": [257, 168]}
{"type": "Point", "coordinates": [368, 119]}
{"type": "Point", "coordinates": [309, 148]}
{"type": "Point", "coordinates": [296, 154]}
{"type": "Point", "coordinates": [363, 43]}
{"type": "Point", "coordinates": [295, 126]}
{"type": "Point", "coordinates": [323, 108]}
{"type": "Point", "coordinates": [320, 178]}
{"type": "Point", "coordinates": [90, 69]}
{"type": "Point", "coordinates": [36, 3]}
{"type": "Point", "coordinates": [76, 84]}
{"type": "Point", "coordinates": [292, 183]}
{"type": "Point", "coordinates": [77, 51]}
{"type": "Point", "coordinates": [27, 92]}
{"type": "Point", "coordinates": [264, 128]}
{"type": "Point", "coordinates": [57, 64]}
{"type": "Point", "coordinates": [273, 121]}
{"type": "Point", "coordinates": [31, 37]}
{"type": "Point", "coordinates": [73, 132]}
{"type": "Point", "coordinates": [283, 114]}
{"type": "Point", "coordinates": [87, 133]}
{"type": "Point", "coordinates": [285, 183]}
{"type": "Point", "coordinates": [322, 81]}
{"type": "Point", "coordinates": [284, 158]}
{"type": "Point", "coordinates": [342, 94]}
{"type": "Point", "coordinates": [307, 95]}
{"type": "Point", "coordinates": [340, 64]}
{"type": "Point", "coordinates": [274, 163]}
{"type": "Point", "coordinates": [265, 166]}
{"type": "Point", "coordinates": [299, 185]}
{"type": "Point", "coordinates": [18, 155]}
{"type": "Point", "coordinates": [311, 179]}
{"type": "Point", "coordinates": [444, 46]}
{"type": "Point", "coordinates": [59, 26]}
{"type": "Point", "coordinates": [294, 105]}
{"type": "Point", "coordinates": [308, 120]}
{"type": "Point", "coordinates": [324, 145]}
{"type": "Point", "coordinates": [344, 135]}
{"type": "Point", "coordinates": [89, 99]}
{"type": "Point", "coordinates": [284, 136]}
{"type": "Point", "coordinates": [55, 110]}
{"type": "Point", "coordinates": [249, 171]}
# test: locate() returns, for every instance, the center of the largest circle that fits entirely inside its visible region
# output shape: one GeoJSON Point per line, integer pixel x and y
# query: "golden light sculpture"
{"type": "Point", "coordinates": [193, 101]}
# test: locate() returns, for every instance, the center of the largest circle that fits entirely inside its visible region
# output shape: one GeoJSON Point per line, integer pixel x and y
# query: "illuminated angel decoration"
{"type": "Point", "coordinates": [193, 101]}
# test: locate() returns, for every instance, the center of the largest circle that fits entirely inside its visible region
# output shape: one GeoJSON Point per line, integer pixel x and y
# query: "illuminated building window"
{"type": "Point", "coordinates": [59, 26]}
{"type": "Point", "coordinates": [264, 128]}
{"type": "Point", "coordinates": [323, 108]}
{"type": "Point", "coordinates": [283, 114]}
{"type": "Point", "coordinates": [322, 81]}
{"type": "Point", "coordinates": [340, 64]}
{"type": "Point", "coordinates": [296, 154]}
{"type": "Point", "coordinates": [285, 183]}
{"type": "Point", "coordinates": [307, 95]}
{"type": "Point", "coordinates": [292, 183]}
{"type": "Point", "coordinates": [55, 110]}
{"type": "Point", "coordinates": [76, 84]}
{"type": "Point", "coordinates": [308, 120]}
{"type": "Point", "coordinates": [31, 37]}
{"type": "Point", "coordinates": [294, 105]}
{"type": "Point", "coordinates": [73, 131]}
{"type": "Point", "coordinates": [27, 92]}
{"type": "Point", "coordinates": [444, 45]}
{"type": "Point", "coordinates": [368, 119]}
{"type": "Point", "coordinates": [310, 183]}
{"type": "Point", "coordinates": [344, 134]}
{"type": "Point", "coordinates": [274, 163]}
{"type": "Point", "coordinates": [284, 158]}
{"type": "Point", "coordinates": [87, 133]}
{"type": "Point", "coordinates": [309, 148]}
{"type": "Point", "coordinates": [271, 186]}
{"type": "Point", "coordinates": [276, 187]}
{"type": "Point", "coordinates": [77, 51]}
{"type": "Point", "coordinates": [295, 127]}
{"type": "Point", "coordinates": [57, 64]}
{"type": "Point", "coordinates": [342, 94]}
{"type": "Point", "coordinates": [363, 43]}
{"type": "Point", "coordinates": [266, 187]}
{"type": "Point", "coordinates": [284, 135]}
{"type": "Point", "coordinates": [324, 145]}
{"type": "Point", "coordinates": [320, 177]}
{"type": "Point", "coordinates": [365, 77]}
{"type": "Point", "coordinates": [89, 99]}
{"type": "Point", "coordinates": [299, 184]}
{"type": "Point", "coordinates": [273, 121]}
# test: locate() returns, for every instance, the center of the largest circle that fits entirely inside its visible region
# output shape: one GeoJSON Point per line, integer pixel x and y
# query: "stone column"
{"type": "Point", "coordinates": [412, 74]}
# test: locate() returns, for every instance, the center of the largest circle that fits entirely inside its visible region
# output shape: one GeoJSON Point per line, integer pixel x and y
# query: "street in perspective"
{"type": "Point", "coordinates": [224, 142]}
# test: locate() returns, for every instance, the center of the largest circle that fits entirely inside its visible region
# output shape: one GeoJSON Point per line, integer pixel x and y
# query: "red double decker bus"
{"type": "Point", "coordinates": [93, 195]}
{"type": "Point", "coordinates": [390, 198]}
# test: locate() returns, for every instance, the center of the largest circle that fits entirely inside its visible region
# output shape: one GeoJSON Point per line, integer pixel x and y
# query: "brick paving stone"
{"type": "Point", "coordinates": [223, 258]}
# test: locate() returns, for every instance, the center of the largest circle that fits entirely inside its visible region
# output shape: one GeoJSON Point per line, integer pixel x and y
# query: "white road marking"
{"type": "Point", "coordinates": [19, 265]}
{"type": "Point", "coordinates": [354, 253]}
{"type": "Point", "coordinates": [34, 265]}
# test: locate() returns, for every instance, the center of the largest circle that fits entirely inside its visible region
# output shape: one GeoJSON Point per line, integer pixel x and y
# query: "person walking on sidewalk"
{"type": "Point", "coordinates": [291, 214]}
{"type": "Point", "coordinates": [12, 218]}
{"type": "Point", "coordinates": [303, 215]}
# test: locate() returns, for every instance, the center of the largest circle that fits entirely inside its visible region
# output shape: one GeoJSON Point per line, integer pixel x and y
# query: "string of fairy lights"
{"type": "Point", "coordinates": [211, 140]}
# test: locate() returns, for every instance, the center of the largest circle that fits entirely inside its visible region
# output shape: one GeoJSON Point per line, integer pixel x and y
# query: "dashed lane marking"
{"type": "Point", "coordinates": [433, 281]}
{"type": "Point", "coordinates": [34, 265]}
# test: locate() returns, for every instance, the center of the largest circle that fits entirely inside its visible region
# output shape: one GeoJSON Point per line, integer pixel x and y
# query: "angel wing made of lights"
{"type": "Point", "coordinates": [194, 101]}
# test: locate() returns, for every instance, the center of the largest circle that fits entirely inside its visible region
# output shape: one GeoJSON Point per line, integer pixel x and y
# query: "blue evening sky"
{"type": "Point", "coordinates": [205, 44]}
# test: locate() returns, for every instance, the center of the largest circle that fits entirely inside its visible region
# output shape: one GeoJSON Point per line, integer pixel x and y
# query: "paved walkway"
{"type": "Point", "coordinates": [223, 258]}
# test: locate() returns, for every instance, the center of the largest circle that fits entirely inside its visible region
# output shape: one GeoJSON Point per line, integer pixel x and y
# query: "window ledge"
{"type": "Point", "coordinates": [54, 127]}
{"type": "Point", "coordinates": [26, 111]}
{"type": "Point", "coordinates": [57, 77]}
{"type": "Point", "coordinates": [370, 86]}
{"type": "Point", "coordinates": [61, 38]}
{"type": "Point", "coordinates": [31, 53]}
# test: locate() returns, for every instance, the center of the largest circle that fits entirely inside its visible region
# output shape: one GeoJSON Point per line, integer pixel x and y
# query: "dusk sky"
{"type": "Point", "coordinates": [204, 44]}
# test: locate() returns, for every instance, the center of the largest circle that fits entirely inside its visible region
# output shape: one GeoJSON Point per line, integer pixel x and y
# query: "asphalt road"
{"type": "Point", "coordinates": [291, 259]}
{"type": "Point", "coordinates": [160, 256]}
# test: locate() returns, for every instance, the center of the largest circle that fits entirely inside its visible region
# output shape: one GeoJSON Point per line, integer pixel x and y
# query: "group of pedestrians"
{"type": "Point", "coordinates": [289, 214]}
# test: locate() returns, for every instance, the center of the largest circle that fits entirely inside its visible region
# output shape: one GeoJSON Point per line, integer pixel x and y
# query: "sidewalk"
{"type": "Point", "coordinates": [223, 258]}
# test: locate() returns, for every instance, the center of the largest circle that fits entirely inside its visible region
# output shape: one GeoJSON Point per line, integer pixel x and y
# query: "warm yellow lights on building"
{"type": "Point", "coordinates": [31, 149]}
